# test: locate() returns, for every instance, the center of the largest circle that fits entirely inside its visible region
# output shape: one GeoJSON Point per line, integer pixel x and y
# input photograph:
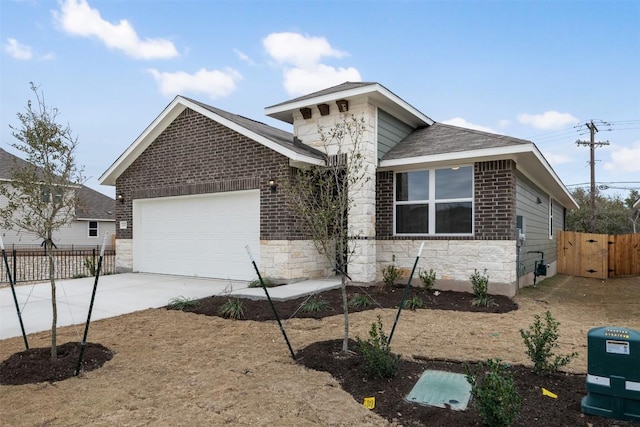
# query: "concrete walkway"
{"type": "Point", "coordinates": [124, 293]}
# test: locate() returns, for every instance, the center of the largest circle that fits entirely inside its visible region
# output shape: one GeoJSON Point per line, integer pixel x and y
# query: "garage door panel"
{"type": "Point", "coordinates": [201, 236]}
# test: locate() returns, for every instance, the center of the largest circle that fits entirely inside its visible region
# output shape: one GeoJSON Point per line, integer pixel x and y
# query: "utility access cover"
{"type": "Point", "coordinates": [441, 389]}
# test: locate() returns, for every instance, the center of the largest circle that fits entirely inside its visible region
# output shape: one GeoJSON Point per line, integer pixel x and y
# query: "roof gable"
{"type": "Point", "coordinates": [278, 140]}
{"type": "Point", "coordinates": [92, 204]}
{"type": "Point", "coordinates": [374, 92]}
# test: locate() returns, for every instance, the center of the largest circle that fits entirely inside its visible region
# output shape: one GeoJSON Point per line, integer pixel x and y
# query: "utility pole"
{"type": "Point", "coordinates": [592, 144]}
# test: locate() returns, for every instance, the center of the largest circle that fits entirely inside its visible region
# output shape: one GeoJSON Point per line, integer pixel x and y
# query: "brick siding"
{"type": "Point", "coordinates": [495, 204]}
{"type": "Point", "coordinates": [495, 200]}
{"type": "Point", "coordinates": [196, 155]}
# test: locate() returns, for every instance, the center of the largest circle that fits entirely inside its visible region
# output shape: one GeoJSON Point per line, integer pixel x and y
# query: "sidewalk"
{"type": "Point", "coordinates": [124, 293]}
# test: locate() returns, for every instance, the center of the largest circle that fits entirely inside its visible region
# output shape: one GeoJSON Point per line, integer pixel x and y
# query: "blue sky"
{"type": "Point", "coordinates": [537, 70]}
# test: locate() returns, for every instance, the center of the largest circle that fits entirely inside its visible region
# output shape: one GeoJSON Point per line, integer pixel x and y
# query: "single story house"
{"type": "Point", "coordinates": [200, 184]}
{"type": "Point", "coordinates": [94, 216]}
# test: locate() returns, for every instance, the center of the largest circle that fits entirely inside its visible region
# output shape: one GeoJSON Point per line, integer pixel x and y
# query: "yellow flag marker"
{"type": "Point", "coordinates": [369, 402]}
{"type": "Point", "coordinates": [546, 392]}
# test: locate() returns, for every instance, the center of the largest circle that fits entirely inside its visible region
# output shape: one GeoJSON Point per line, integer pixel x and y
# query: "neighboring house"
{"type": "Point", "coordinates": [200, 184]}
{"type": "Point", "coordinates": [94, 216]}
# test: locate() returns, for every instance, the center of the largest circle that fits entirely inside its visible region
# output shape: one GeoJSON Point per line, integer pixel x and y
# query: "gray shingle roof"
{"type": "Point", "coordinates": [279, 136]}
{"type": "Point", "coordinates": [440, 138]}
{"type": "Point", "coordinates": [93, 204]}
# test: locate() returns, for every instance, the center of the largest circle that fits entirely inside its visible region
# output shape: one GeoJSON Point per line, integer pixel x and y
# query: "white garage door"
{"type": "Point", "coordinates": [203, 236]}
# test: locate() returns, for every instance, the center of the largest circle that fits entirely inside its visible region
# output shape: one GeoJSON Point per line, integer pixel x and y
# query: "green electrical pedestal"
{"type": "Point", "coordinates": [613, 374]}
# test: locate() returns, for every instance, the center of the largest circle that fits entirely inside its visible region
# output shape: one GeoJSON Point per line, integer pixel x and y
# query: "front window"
{"type": "Point", "coordinates": [93, 228]}
{"type": "Point", "coordinates": [436, 201]}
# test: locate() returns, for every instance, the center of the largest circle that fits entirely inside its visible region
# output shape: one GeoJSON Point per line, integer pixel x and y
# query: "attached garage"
{"type": "Point", "coordinates": [200, 235]}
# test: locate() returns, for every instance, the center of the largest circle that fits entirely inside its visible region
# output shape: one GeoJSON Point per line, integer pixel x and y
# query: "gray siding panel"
{"type": "Point", "coordinates": [536, 218]}
{"type": "Point", "coordinates": [390, 132]}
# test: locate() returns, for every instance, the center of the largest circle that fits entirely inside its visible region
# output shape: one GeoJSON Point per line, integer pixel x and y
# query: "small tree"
{"type": "Point", "coordinates": [322, 197]}
{"type": "Point", "coordinates": [41, 197]}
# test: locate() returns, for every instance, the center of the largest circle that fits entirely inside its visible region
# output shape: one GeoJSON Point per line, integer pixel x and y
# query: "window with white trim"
{"type": "Point", "coordinates": [434, 201]}
{"type": "Point", "coordinates": [93, 228]}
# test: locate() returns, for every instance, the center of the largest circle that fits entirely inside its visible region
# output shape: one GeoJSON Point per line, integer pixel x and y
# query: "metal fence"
{"type": "Point", "coordinates": [29, 263]}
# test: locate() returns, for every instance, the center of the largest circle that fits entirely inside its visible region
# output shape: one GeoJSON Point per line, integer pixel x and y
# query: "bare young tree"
{"type": "Point", "coordinates": [323, 196]}
{"type": "Point", "coordinates": [41, 196]}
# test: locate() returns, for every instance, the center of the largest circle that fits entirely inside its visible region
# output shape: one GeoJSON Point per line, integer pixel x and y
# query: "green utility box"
{"type": "Point", "coordinates": [613, 374]}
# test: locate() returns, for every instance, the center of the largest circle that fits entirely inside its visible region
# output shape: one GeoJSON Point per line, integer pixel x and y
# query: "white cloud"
{"type": "Point", "coordinates": [624, 159]}
{"type": "Point", "coordinates": [77, 18]}
{"type": "Point", "coordinates": [17, 50]}
{"type": "Point", "coordinates": [459, 121]}
{"type": "Point", "coordinates": [299, 81]}
{"type": "Point", "coordinates": [300, 58]}
{"type": "Point", "coordinates": [548, 120]}
{"type": "Point", "coordinates": [299, 50]}
{"type": "Point", "coordinates": [504, 123]}
{"type": "Point", "coordinates": [244, 57]}
{"type": "Point", "coordinates": [213, 83]}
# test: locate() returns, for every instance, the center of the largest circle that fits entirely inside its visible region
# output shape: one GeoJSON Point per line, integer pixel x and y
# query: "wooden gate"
{"type": "Point", "coordinates": [624, 255]}
{"type": "Point", "coordinates": [598, 255]}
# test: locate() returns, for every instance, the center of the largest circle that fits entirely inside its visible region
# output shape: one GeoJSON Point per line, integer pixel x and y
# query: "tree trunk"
{"type": "Point", "coordinates": [345, 307]}
{"type": "Point", "coordinates": [54, 306]}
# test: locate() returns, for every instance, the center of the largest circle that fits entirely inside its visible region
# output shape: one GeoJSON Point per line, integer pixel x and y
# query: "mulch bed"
{"type": "Point", "coordinates": [34, 365]}
{"type": "Point", "coordinates": [383, 297]}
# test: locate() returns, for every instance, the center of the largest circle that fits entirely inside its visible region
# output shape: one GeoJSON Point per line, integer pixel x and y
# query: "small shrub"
{"type": "Point", "coordinates": [540, 341]}
{"type": "Point", "coordinates": [315, 304]}
{"type": "Point", "coordinates": [268, 282]}
{"type": "Point", "coordinates": [428, 279]}
{"type": "Point", "coordinates": [391, 274]}
{"type": "Point", "coordinates": [379, 361]}
{"type": "Point", "coordinates": [494, 393]}
{"type": "Point", "coordinates": [232, 309]}
{"type": "Point", "coordinates": [182, 303]}
{"type": "Point", "coordinates": [360, 301]}
{"type": "Point", "coordinates": [413, 303]}
{"type": "Point", "coordinates": [480, 284]}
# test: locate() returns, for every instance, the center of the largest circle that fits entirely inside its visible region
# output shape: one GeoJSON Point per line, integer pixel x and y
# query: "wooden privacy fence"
{"type": "Point", "coordinates": [598, 255]}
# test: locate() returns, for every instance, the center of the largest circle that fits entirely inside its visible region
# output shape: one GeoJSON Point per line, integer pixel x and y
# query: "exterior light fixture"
{"type": "Point", "coordinates": [121, 198]}
{"type": "Point", "coordinates": [538, 201]}
{"type": "Point", "coordinates": [343, 105]}
{"type": "Point", "coordinates": [273, 184]}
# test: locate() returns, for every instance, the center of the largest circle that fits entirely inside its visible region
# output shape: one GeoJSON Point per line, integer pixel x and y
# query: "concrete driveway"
{"type": "Point", "coordinates": [116, 294]}
{"type": "Point", "coordinates": [119, 294]}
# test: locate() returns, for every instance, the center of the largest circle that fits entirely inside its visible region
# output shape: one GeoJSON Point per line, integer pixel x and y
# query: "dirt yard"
{"type": "Point", "coordinates": [176, 368]}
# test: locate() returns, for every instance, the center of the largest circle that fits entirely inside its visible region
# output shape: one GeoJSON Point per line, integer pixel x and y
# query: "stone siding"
{"type": "Point", "coordinates": [362, 217]}
{"type": "Point", "coordinates": [454, 261]}
{"type": "Point", "coordinates": [292, 260]}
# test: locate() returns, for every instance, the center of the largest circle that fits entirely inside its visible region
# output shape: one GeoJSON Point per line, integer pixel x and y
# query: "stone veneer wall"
{"type": "Point", "coordinates": [362, 220]}
{"type": "Point", "coordinates": [454, 261]}
{"type": "Point", "coordinates": [124, 255]}
{"type": "Point", "coordinates": [292, 259]}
